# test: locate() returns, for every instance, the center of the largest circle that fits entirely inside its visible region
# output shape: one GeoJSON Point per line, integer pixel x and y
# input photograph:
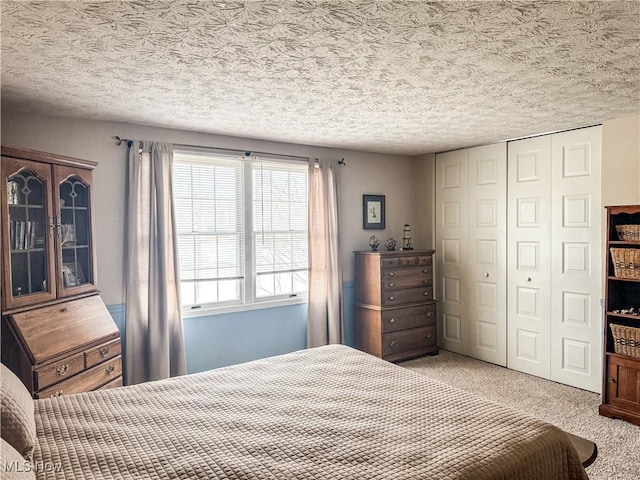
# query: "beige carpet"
{"type": "Point", "coordinates": [572, 409]}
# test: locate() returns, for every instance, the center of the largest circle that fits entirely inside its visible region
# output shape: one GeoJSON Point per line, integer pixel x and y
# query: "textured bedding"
{"type": "Point", "coordinates": [325, 413]}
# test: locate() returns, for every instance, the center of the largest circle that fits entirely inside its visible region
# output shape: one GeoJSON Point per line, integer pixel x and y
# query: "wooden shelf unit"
{"type": "Point", "coordinates": [621, 379]}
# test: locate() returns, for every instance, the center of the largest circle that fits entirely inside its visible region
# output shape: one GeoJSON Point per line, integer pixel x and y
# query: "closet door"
{"type": "Point", "coordinates": [529, 254]}
{"type": "Point", "coordinates": [452, 250]}
{"type": "Point", "coordinates": [487, 284]}
{"type": "Point", "coordinates": [576, 264]}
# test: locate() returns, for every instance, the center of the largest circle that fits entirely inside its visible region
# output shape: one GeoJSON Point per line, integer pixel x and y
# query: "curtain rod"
{"type": "Point", "coordinates": [120, 141]}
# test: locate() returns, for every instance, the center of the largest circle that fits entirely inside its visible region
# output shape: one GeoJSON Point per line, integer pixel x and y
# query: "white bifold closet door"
{"type": "Point", "coordinates": [471, 238]}
{"type": "Point", "coordinates": [554, 257]}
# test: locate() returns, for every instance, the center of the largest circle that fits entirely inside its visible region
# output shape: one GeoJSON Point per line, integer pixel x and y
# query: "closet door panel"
{"type": "Point", "coordinates": [528, 254]}
{"type": "Point", "coordinates": [486, 308]}
{"type": "Point", "coordinates": [451, 245]}
{"type": "Point", "coordinates": [576, 266]}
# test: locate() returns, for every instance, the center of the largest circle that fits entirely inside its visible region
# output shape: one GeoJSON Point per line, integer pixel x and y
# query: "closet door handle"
{"type": "Point", "coordinates": [486, 274]}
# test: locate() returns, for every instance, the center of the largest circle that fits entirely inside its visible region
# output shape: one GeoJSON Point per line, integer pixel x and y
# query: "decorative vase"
{"type": "Point", "coordinates": [374, 243]}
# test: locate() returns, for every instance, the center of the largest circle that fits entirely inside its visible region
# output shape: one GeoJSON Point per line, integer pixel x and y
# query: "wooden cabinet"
{"type": "Point", "coordinates": [47, 239]}
{"type": "Point", "coordinates": [57, 334]}
{"type": "Point", "coordinates": [621, 383]}
{"type": "Point", "coordinates": [395, 313]}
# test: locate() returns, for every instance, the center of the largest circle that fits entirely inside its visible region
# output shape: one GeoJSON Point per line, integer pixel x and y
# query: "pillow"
{"type": "Point", "coordinates": [18, 422]}
{"type": "Point", "coordinates": [12, 465]}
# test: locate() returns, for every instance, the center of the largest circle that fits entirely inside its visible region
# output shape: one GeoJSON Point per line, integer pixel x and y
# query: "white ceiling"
{"type": "Point", "coordinates": [404, 77]}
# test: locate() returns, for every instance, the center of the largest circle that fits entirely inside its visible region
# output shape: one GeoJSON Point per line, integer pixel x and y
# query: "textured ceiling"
{"type": "Point", "coordinates": [403, 77]}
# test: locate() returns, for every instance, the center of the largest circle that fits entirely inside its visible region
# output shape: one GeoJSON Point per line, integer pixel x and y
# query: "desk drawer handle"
{"type": "Point", "coordinates": [104, 351]}
{"type": "Point", "coordinates": [393, 343]}
{"type": "Point", "coordinates": [62, 369]}
{"type": "Point", "coordinates": [392, 320]}
{"type": "Point", "coordinates": [110, 369]}
{"type": "Point", "coordinates": [57, 393]}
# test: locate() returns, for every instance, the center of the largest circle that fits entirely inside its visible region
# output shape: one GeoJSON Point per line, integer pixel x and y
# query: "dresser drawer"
{"type": "Point", "coordinates": [406, 261]}
{"type": "Point", "coordinates": [112, 384]}
{"type": "Point", "coordinates": [58, 371]}
{"type": "Point", "coordinates": [407, 340]}
{"type": "Point", "coordinates": [88, 380]}
{"type": "Point", "coordinates": [409, 295]}
{"type": "Point", "coordinates": [406, 277]}
{"type": "Point", "coordinates": [411, 317]}
{"type": "Point", "coordinates": [99, 354]}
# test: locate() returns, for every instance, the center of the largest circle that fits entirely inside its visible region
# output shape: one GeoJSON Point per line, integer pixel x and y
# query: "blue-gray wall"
{"type": "Point", "coordinates": [220, 340]}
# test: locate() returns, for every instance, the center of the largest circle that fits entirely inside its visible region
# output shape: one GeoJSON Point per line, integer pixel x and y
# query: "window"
{"type": "Point", "coordinates": [242, 228]}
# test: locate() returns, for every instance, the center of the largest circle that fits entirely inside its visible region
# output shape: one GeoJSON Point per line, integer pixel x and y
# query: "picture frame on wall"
{"type": "Point", "coordinates": [373, 215]}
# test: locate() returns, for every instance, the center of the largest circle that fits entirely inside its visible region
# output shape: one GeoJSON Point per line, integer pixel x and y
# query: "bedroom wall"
{"type": "Point", "coordinates": [231, 338]}
{"type": "Point", "coordinates": [621, 161]}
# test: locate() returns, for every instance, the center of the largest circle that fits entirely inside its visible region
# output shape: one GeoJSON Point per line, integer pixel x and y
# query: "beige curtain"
{"type": "Point", "coordinates": [324, 321]}
{"type": "Point", "coordinates": [153, 335]}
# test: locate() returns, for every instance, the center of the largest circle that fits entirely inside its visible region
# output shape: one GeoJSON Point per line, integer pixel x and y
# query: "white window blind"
{"type": "Point", "coordinates": [242, 228]}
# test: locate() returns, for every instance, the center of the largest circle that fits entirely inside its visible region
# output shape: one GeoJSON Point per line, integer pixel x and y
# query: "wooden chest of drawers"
{"type": "Point", "coordinates": [63, 348]}
{"type": "Point", "coordinates": [395, 313]}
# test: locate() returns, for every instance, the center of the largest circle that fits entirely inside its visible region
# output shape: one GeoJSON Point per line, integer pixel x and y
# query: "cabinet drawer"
{"type": "Point", "coordinates": [407, 340]}
{"type": "Point", "coordinates": [406, 277]}
{"type": "Point", "coordinates": [410, 295]}
{"type": "Point", "coordinates": [412, 317]}
{"type": "Point", "coordinates": [406, 261]}
{"type": "Point", "coordinates": [112, 384]}
{"type": "Point", "coordinates": [86, 381]}
{"type": "Point", "coordinates": [61, 370]}
{"type": "Point", "coordinates": [99, 354]}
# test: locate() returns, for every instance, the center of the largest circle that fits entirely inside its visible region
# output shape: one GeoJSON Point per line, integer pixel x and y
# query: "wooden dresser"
{"type": "Point", "coordinates": [395, 313]}
{"type": "Point", "coordinates": [57, 334]}
{"type": "Point", "coordinates": [64, 348]}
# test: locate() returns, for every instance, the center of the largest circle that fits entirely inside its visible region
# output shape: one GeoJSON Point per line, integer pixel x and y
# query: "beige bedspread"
{"type": "Point", "coordinates": [326, 413]}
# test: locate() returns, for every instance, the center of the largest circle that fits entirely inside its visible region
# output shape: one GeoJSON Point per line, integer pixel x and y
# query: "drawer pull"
{"type": "Point", "coordinates": [109, 370]}
{"type": "Point", "coordinates": [392, 320]}
{"type": "Point", "coordinates": [486, 274]}
{"type": "Point", "coordinates": [392, 297]}
{"type": "Point", "coordinates": [62, 369]}
{"type": "Point", "coordinates": [62, 310]}
{"type": "Point", "coordinates": [426, 271]}
{"type": "Point", "coordinates": [426, 294]}
{"type": "Point", "coordinates": [426, 282]}
{"type": "Point", "coordinates": [428, 315]}
{"type": "Point", "coordinates": [391, 274]}
{"type": "Point", "coordinates": [428, 335]}
{"type": "Point", "coordinates": [57, 393]}
{"type": "Point", "coordinates": [393, 343]}
{"type": "Point", "coordinates": [104, 351]}
{"type": "Point", "coordinates": [392, 284]}
{"type": "Point", "coordinates": [528, 279]}
{"type": "Point", "coordinates": [610, 380]}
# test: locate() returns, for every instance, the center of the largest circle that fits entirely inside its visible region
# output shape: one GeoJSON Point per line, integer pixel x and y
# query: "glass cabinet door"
{"type": "Point", "coordinates": [73, 225]}
{"type": "Point", "coordinates": [28, 227]}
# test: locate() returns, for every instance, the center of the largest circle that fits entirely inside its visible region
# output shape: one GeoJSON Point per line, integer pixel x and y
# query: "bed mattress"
{"type": "Point", "coordinates": [324, 413]}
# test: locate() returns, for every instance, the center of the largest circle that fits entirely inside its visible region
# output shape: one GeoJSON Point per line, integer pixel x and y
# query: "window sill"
{"type": "Point", "coordinates": [212, 311]}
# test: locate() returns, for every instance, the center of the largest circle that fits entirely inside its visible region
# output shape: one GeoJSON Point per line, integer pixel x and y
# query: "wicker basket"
{"type": "Point", "coordinates": [626, 340]}
{"type": "Point", "coordinates": [626, 262]}
{"type": "Point", "coordinates": [628, 233]}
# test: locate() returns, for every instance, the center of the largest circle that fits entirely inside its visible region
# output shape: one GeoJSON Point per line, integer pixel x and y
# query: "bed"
{"type": "Point", "coordinates": [324, 413]}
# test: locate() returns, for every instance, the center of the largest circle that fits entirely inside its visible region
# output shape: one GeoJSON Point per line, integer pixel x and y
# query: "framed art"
{"type": "Point", "coordinates": [373, 212]}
